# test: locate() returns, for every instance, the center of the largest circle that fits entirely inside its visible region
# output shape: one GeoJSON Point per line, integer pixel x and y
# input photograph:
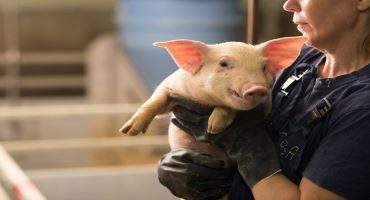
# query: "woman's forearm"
{"type": "Point", "coordinates": [279, 187]}
{"type": "Point", "coordinates": [276, 187]}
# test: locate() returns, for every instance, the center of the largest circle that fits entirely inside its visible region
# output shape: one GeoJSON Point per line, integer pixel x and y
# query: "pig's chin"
{"type": "Point", "coordinates": [236, 101]}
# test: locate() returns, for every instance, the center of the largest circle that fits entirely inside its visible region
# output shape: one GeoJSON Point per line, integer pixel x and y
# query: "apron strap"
{"type": "Point", "coordinates": [318, 113]}
{"type": "Point", "coordinates": [288, 96]}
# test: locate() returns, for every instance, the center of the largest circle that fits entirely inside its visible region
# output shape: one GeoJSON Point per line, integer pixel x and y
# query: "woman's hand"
{"type": "Point", "coordinates": [245, 141]}
{"type": "Point", "coordinates": [190, 174]}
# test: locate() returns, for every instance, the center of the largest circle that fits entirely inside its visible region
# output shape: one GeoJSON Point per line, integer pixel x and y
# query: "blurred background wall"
{"type": "Point", "coordinates": [72, 71]}
{"type": "Point", "coordinates": [49, 37]}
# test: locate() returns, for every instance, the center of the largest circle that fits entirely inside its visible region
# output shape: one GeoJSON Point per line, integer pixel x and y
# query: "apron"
{"type": "Point", "coordinates": [292, 140]}
{"type": "Point", "coordinates": [292, 131]}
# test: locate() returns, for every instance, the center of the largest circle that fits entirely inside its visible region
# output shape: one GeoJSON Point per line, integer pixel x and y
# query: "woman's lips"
{"type": "Point", "coordinates": [302, 27]}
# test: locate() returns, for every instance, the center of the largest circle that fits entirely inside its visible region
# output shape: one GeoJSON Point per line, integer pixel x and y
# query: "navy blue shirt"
{"type": "Point", "coordinates": [333, 152]}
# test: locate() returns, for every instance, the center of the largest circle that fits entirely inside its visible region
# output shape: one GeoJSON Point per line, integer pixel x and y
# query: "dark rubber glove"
{"type": "Point", "coordinates": [244, 141]}
{"type": "Point", "coordinates": [192, 175]}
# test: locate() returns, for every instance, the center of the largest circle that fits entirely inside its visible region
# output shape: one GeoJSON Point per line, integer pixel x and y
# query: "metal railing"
{"type": "Point", "coordinates": [11, 175]}
{"type": "Point", "coordinates": [15, 180]}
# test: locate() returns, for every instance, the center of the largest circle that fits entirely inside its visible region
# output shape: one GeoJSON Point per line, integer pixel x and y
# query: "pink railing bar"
{"type": "Point", "coordinates": [15, 180]}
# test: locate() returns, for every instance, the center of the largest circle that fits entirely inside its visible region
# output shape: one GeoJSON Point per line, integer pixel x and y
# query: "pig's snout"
{"type": "Point", "coordinates": [256, 94]}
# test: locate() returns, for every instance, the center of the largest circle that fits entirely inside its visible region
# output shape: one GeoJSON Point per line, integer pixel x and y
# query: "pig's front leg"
{"type": "Point", "coordinates": [220, 118]}
{"type": "Point", "coordinates": [158, 103]}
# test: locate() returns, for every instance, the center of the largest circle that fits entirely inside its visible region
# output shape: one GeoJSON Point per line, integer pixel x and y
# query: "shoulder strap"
{"type": "Point", "coordinates": [318, 113]}
{"type": "Point", "coordinates": [291, 81]}
{"type": "Point", "coordinates": [287, 95]}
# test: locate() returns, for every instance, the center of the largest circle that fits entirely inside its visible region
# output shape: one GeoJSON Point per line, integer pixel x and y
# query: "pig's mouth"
{"type": "Point", "coordinates": [243, 104]}
{"type": "Point", "coordinates": [235, 93]}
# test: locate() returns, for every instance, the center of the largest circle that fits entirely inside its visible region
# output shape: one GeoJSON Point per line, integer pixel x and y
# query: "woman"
{"type": "Point", "coordinates": [319, 127]}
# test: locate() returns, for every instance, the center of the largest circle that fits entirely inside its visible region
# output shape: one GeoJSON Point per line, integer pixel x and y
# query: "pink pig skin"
{"type": "Point", "coordinates": [230, 76]}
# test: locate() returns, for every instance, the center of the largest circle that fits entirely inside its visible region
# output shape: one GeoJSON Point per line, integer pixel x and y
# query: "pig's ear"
{"type": "Point", "coordinates": [281, 52]}
{"type": "Point", "coordinates": [187, 54]}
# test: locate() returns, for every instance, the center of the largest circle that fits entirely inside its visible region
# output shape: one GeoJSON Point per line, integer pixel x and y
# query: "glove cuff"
{"type": "Point", "coordinates": [261, 167]}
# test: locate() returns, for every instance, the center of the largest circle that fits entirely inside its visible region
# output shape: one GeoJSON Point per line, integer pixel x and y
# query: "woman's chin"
{"type": "Point", "coordinates": [312, 42]}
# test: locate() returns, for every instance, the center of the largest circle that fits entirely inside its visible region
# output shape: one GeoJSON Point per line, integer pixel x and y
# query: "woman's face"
{"type": "Point", "coordinates": [323, 22]}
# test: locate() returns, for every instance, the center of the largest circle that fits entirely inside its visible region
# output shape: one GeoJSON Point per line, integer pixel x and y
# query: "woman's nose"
{"type": "Point", "coordinates": [292, 6]}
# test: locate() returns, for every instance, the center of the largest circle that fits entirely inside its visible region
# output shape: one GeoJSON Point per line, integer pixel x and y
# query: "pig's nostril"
{"type": "Point", "coordinates": [255, 93]}
{"type": "Point", "coordinates": [263, 95]}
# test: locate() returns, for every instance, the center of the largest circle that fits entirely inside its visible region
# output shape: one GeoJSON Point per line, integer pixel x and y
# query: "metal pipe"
{"type": "Point", "coordinates": [16, 180]}
{"type": "Point", "coordinates": [28, 146]}
{"type": "Point", "coordinates": [12, 52]}
{"type": "Point", "coordinates": [252, 8]}
{"type": "Point", "coordinates": [38, 112]}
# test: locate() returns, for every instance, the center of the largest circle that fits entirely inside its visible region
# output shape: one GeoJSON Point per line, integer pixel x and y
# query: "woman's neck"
{"type": "Point", "coordinates": [337, 65]}
{"type": "Point", "coordinates": [344, 58]}
{"type": "Point", "coordinates": [349, 53]}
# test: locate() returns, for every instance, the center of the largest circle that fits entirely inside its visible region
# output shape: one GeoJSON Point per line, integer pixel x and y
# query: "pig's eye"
{"type": "Point", "coordinates": [225, 63]}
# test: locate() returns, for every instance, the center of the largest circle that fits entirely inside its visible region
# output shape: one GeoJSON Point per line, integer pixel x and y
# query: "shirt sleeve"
{"type": "Point", "coordinates": [341, 163]}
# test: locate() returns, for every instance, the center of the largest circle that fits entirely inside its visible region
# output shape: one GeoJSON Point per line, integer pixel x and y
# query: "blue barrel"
{"type": "Point", "coordinates": [142, 22]}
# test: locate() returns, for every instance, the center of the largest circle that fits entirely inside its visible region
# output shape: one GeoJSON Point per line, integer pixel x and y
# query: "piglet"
{"type": "Point", "coordinates": [230, 76]}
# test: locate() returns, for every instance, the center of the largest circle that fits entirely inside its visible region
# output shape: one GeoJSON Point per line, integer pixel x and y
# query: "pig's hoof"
{"type": "Point", "coordinates": [132, 128]}
{"type": "Point", "coordinates": [220, 118]}
{"type": "Point", "coordinates": [216, 125]}
{"type": "Point", "coordinates": [215, 128]}
{"type": "Point", "coordinates": [129, 130]}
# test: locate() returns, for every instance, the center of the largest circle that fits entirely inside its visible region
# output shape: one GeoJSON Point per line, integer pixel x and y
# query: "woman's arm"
{"type": "Point", "coordinates": [279, 187]}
